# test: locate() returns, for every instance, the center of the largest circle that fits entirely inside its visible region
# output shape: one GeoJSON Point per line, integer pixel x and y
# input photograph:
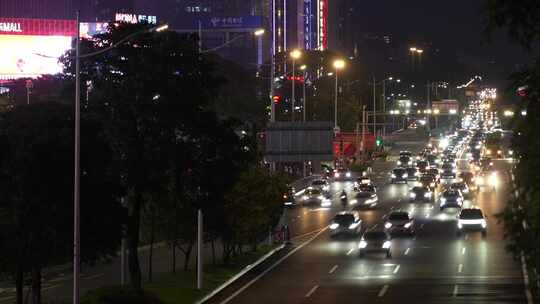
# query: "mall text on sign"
{"type": "Point", "coordinates": [10, 27]}
{"type": "Point", "coordinates": [38, 27]}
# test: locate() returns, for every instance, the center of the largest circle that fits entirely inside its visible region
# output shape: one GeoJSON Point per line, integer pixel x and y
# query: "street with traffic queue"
{"type": "Point", "coordinates": [435, 265]}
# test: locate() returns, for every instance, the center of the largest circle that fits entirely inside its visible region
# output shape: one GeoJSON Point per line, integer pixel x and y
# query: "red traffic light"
{"type": "Point", "coordinates": [276, 98]}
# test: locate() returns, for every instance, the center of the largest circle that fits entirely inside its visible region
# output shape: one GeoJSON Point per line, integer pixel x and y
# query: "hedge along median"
{"type": "Point", "coordinates": [180, 287]}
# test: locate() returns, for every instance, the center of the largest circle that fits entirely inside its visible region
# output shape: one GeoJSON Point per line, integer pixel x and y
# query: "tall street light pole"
{"type": "Point", "coordinates": [295, 54]}
{"type": "Point", "coordinates": [77, 170]}
{"type": "Point", "coordinates": [374, 107]}
{"type": "Point", "coordinates": [413, 51]}
{"type": "Point", "coordinates": [303, 68]}
{"type": "Point", "coordinates": [338, 65]}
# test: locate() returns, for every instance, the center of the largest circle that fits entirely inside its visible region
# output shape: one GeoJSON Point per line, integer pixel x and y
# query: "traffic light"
{"type": "Point", "coordinates": [276, 99]}
{"type": "Point", "coordinates": [378, 142]}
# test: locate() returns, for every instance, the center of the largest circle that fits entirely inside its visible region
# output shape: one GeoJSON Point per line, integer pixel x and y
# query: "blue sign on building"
{"type": "Point", "coordinates": [230, 22]}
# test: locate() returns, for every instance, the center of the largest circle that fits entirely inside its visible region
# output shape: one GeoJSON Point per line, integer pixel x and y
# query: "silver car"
{"type": "Point", "coordinates": [346, 223]}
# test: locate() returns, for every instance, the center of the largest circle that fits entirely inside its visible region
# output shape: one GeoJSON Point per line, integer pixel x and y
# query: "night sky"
{"type": "Point", "coordinates": [453, 27]}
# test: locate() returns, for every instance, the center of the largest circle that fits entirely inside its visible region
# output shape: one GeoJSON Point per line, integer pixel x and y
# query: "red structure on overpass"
{"type": "Point", "coordinates": [348, 144]}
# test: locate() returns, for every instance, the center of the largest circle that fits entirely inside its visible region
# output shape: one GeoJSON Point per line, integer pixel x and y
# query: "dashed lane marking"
{"type": "Point", "coordinates": [463, 251]}
{"type": "Point", "coordinates": [407, 251]}
{"type": "Point", "coordinates": [455, 292]}
{"type": "Point", "coordinates": [396, 269]}
{"type": "Point", "coordinates": [460, 268]}
{"type": "Point", "coordinates": [350, 251]}
{"type": "Point", "coordinates": [311, 291]}
{"type": "Point", "coordinates": [382, 292]}
{"type": "Point", "coordinates": [333, 269]}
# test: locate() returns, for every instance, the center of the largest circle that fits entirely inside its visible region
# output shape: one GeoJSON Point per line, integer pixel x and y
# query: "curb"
{"type": "Point", "coordinates": [528, 293]}
{"type": "Point", "coordinates": [240, 274]}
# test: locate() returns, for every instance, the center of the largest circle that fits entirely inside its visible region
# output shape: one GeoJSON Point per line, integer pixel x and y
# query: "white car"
{"type": "Point", "coordinates": [472, 219]}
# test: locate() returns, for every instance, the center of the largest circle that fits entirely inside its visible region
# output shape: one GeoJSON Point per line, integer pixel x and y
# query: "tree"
{"type": "Point", "coordinates": [150, 92]}
{"type": "Point", "coordinates": [251, 207]}
{"type": "Point", "coordinates": [522, 214]}
{"type": "Point", "coordinates": [36, 198]}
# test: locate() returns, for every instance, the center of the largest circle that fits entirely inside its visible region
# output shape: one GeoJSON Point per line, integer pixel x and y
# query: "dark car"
{"type": "Point", "coordinates": [428, 180]}
{"type": "Point", "coordinates": [433, 161]}
{"type": "Point", "coordinates": [451, 199]}
{"type": "Point", "coordinates": [472, 219]}
{"type": "Point", "coordinates": [289, 198]}
{"type": "Point", "coordinates": [347, 222]}
{"type": "Point", "coordinates": [404, 161]}
{"type": "Point", "coordinates": [412, 173]}
{"type": "Point", "coordinates": [422, 165]}
{"type": "Point", "coordinates": [375, 241]}
{"type": "Point", "coordinates": [420, 194]}
{"type": "Point", "coordinates": [399, 175]}
{"type": "Point", "coordinates": [436, 174]}
{"type": "Point", "coordinates": [399, 222]}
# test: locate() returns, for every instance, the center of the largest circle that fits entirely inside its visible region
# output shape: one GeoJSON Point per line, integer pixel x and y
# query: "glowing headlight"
{"type": "Point", "coordinates": [354, 225]}
{"type": "Point", "coordinates": [386, 244]}
{"type": "Point", "coordinates": [336, 175]}
{"type": "Point", "coordinates": [484, 224]}
{"type": "Point", "coordinates": [405, 175]}
{"type": "Point", "coordinates": [326, 187]}
{"type": "Point", "coordinates": [499, 152]}
{"type": "Point", "coordinates": [399, 163]}
{"type": "Point", "coordinates": [466, 190]}
{"type": "Point", "coordinates": [362, 244]}
{"type": "Point", "coordinates": [408, 225]}
{"type": "Point", "coordinates": [334, 226]}
{"type": "Point", "coordinates": [305, 197]}
{"type": "Point", "coordinates": [348, 174]}
{"type": "Point", "coordinates": [387, 225]}
{"type": "Point", "coordinates": [427, 194]}
{"type": "Point", "coordinates": [510, 152]}
{"type": "Point", "coordinates": [454, 170]}
{"type": "Point", "coordinates": [326, 203]}
{"type": "Point", "coordinates": [459, 225]}
{"type": "Point", "coordinates": [432, 184]}
{"type": "Point", "coordinates": [410, 162]}
{"type": "Point", "coordinates": [320, 197]}
{"type": "Point", "coordinates": [443, 200]}
{"type": "Point", "coordinates": [393, 175]}
{"type": "Point", "coordinates": [488, 152]}
{"type": "Point", "coordinates": [412, 195]}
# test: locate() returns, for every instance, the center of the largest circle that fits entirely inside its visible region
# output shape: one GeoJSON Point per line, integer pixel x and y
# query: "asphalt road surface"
{"type": "Point", "coordinates": [436, 266]}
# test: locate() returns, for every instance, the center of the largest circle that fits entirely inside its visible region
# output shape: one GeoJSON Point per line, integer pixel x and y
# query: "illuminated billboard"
{"type": "Point", "coordinates": [31, 47]}
{"type": "Point", "coordinates": [31, 56]}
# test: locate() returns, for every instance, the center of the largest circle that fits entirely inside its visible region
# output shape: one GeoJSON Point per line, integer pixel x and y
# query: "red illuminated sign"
{"type": "Point", "coordinates": [37, 27]}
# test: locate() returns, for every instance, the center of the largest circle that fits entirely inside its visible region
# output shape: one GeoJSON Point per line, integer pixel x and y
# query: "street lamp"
{"type": "Point", "coordinates": [338, 65]}
{"type": "Point", "coordinates": [303, 69]}
{"type": "Point", "coordinates": [77, 147]}
{"type": "Point", "coordinates": [259, 34]}
{"type": "Point", "coordinates": [295, 54]}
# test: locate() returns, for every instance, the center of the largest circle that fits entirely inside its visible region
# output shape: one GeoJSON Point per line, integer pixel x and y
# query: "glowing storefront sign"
{"type": "Point", "coordinates": [322, 24]}
{"type": "Point", "coordinates": [134, 18]}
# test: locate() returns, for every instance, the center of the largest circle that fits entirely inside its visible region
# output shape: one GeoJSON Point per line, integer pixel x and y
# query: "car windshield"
{"type": "Point", "coordinates": [367, 188]}
{"type": "Point", "coordinates": [426, 178]}
{"type": "Point", "coordinates": [314, 192]}
{"type": "Point", "coordinates": [421, 164]}
{"type": "Point", "coordinates": [399, 216]}
{"type": "Point", "coordinates": [344, 219]}
{"type": "Point", "coordinates": [471, 214]}
{"type": "Point", "coordinates": [363, 194]}
{"type": "Point", "coordinates": [375, 236]}
{"type": "Point", "coordinates": [399, 171]}
{"type": "Point", "coordinates": [418, 190]}
{"type": "Point", "coordinates": [449, 194]}
{"type": "Point", "coordinates": [318, 183]}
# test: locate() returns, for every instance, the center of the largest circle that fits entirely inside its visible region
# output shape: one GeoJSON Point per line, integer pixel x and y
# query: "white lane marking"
{"type": "Point", "coordinates": [382, 291]}
{"type": "Point", "coordinates": [463, 250]}
{"type": "Point", "coordinates": [333, 269]}
{"type": "Point", "coordinates": [305, 234]}
{"type": "Point", "coordinates": [311, 291]}
{"type": "Point", "coordinates": [51, 287]}
{"type": "Point", "coordinates": [455, 292]}
{"type": "Point", "coordinates": [94, 276]}
{"type": "Point", "coordinates": [350, 251]}
{"type": "Point", "coordinates": [246, 286]}
{"type": "Point", "coordinates": [396, 269]}
{"type": "Point", "coordinates": [407, 251]}
{"type": "Point", "coordinates": [460, 268]}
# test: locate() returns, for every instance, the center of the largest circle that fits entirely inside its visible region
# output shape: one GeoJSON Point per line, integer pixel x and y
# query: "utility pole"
{"type": "Point", "coordinates": [384, 106]}
{"type": "Point", "coordinates": [363, 143]}
{"type": "Point", "coordinates": [428, 106]}
{"type": "Point", "coordinates": [293, 89]}
{"type": "Point", "coordinates": [77, 176]}
{"type": "Point", "coordinates": [304, 93]}
{"type": "Point", "coordinates": [374, 107]}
